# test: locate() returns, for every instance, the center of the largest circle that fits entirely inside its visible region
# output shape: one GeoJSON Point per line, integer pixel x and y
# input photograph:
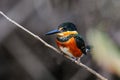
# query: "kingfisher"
{"type": "Point", "coordinates": [69, 41]}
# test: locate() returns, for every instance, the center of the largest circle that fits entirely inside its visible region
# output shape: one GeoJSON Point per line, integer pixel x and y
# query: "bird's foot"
{"type": "Point", "coordinates": [74, 59]}
{"type": "Point", "coordinates": [78, 59]}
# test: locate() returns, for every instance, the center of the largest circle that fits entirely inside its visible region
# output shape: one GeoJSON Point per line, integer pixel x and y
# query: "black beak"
{"type": "Point", "coordinates": [53, 32]}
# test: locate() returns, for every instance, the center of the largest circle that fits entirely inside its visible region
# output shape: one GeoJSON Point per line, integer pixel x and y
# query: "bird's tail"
{"type": "Point", "coordinates": [88, 48]}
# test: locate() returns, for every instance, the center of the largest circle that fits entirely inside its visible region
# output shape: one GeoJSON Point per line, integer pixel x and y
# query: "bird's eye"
{"type": "Point", "coordinates": [64, 29]}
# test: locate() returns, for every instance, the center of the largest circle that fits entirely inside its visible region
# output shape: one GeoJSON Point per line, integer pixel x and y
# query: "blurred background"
{"type": "Point", "coordinates": [22, 57]}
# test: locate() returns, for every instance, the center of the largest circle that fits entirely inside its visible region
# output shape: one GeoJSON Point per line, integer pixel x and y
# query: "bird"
{"type": "Point", "coordinates": [69, 41]}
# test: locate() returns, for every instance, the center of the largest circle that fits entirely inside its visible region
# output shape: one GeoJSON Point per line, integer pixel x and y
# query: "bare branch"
{"type": "Point", "coordinates": [53, 48]}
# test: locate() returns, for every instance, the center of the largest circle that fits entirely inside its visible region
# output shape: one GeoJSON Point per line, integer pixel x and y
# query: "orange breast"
{"type": "Point", "coordinates": [71, 45]}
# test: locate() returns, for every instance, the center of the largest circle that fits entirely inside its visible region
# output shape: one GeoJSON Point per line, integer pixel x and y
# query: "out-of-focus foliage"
{"type": "Point", "coordinates": [104, 50]}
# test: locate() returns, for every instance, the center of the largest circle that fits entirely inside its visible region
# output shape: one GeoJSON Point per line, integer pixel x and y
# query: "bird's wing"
{"type": "Point", "coordinates": [80, 43]}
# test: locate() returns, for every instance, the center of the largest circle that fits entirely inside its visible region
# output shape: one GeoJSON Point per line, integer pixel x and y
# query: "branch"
{"type": "Point", "coordinates": [53, 48]}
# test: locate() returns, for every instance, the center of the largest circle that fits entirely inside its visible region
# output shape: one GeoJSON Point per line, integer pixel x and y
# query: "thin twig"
{"type": "Point", "coordinates": [50, 46]}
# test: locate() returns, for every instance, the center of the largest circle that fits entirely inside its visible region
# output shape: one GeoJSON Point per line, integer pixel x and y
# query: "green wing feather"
{"type": "Point", "coordinates": [80, 43]}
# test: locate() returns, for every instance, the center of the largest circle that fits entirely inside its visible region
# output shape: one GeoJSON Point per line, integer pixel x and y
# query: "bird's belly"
{"type": "Point", "coordinates": [69, 48]}
{"type": "Point", "coordinates": [66, 51]}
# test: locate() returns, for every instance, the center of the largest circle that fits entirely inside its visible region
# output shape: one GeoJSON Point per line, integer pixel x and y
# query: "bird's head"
{"type": "Point", "coordinates": [64, 29]}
